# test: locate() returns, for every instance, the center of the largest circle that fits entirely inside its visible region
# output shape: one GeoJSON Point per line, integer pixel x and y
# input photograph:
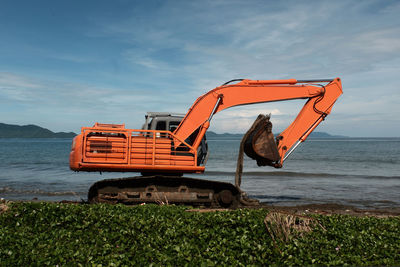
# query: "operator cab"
{"type": "Point", "coordinates": [162, 121]}
{"type": "Point", "coordinates": [166, 121]}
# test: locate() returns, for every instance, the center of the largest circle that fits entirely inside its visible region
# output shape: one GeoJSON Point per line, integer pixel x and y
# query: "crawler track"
{"type": "Point", "coordinates": [168, 190]}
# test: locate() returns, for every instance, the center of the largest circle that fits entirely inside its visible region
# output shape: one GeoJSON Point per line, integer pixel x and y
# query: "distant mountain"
{"type": "Point", "coordinates": [30, 131]}
{"type": "Point", "coordinates": [213, 135]}
{"type": "Point", "coordinates": [325, 135]}
{"type": "Point", "coordinates": [34, 131]}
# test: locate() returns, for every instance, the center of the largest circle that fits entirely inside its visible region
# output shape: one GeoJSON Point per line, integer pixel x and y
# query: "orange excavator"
{"type": "Point", "coordinates": [165, 152]}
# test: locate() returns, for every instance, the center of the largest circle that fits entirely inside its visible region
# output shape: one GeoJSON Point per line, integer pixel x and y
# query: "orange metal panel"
{"type": "Point", "coordinates": [138, 168]}
{"type": "Point", "coordinates": [243, 93]}
{"type": "Point", "coordinates": [131, 150]}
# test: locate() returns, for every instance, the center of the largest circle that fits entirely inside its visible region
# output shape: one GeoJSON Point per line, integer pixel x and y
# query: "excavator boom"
{"type": "Point", "coordinates": [320, 101]}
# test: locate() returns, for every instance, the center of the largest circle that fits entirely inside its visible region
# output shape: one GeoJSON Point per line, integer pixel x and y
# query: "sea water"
{"type": "Point", "coordinates": [363, 172]}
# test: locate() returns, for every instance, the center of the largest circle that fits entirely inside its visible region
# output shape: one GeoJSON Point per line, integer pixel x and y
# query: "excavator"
{"type": "Point", "coordinates": [170, 145]}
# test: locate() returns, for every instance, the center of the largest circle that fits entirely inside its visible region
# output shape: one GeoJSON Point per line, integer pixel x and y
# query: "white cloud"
{"type": "Point", "coordinates": [49, 103]}
{"type": "Point", "coordinates": [10, 80]}
{"type": "Point", "coordinates": [18, 88]}
{"type": "Point", "coordinates": [239, 119]}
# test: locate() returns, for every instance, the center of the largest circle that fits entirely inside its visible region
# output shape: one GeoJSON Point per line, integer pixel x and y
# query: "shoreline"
{"type": "Point", "coordinates": [329, 209]}
{"type": "Point", "coordinates": [306, 209]}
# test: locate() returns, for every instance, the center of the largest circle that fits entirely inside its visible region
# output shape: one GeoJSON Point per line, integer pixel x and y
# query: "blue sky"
{"type": "Point", "coordinates": [67, 64]}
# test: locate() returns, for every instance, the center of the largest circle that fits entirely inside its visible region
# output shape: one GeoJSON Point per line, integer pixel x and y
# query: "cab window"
{"type": "Point", "coordinates": [173, 125]}
{"type": "Point", "coordinates": [161, 125]}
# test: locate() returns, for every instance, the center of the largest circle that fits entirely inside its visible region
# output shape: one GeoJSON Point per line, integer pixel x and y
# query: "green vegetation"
{"type": "Point", "coordinates": [69, 234]}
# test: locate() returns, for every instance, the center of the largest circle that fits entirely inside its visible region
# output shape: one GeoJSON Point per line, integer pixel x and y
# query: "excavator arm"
{"type": "Point", "coordinates": [321, 95]}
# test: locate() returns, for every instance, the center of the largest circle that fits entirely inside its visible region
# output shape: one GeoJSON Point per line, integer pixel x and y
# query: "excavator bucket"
{"type": "Point", "coordinates": [259, 142]}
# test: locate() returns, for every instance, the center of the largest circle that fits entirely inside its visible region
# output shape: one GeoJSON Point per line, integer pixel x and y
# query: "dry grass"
{"type": "Point", "coordinates": [3, 208]}
{"type": "Point", "coordinates": [283, 226]}
{"type": "Point", "coordinates": [161, 201]}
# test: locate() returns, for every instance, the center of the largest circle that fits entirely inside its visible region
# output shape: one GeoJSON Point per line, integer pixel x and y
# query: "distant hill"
{"type": "Point", "coordinates": [213, 135]}
{"type": "Point", "coordinates": [30, 131]}
{"type": "Point", "coordinates": [34, 131]}
{"type": "Point", "coordinates": [325, 135]}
